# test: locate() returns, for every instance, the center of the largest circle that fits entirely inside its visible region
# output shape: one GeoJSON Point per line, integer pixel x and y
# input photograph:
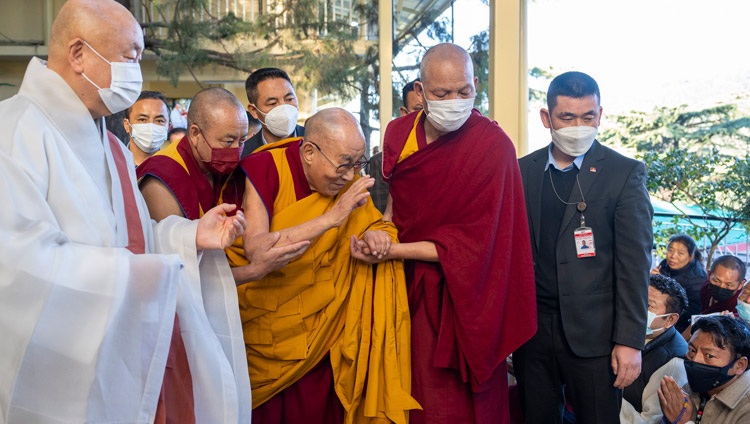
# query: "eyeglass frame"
{"type": "Point", "coordinates": [356, 166]}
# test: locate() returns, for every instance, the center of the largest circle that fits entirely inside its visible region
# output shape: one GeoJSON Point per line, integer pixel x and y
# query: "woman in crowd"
{"type": "Point", "coordinates": [683, 263]}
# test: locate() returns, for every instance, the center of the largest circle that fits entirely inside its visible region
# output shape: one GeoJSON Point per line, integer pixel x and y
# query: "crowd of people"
{"type": "Point", "coordinates": [224, 264]}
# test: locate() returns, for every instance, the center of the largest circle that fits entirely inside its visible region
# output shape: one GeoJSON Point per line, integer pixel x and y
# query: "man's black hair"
{"type": "Point", "coordinates": [727, 332]}
{"type": "Point", "coordinates": [571, 84]}
{"type": "Point", "coordinates": [145, 94]}
{"type": "Point", "coordinates": [677, 301]}
{"type": "Point", "coordinates": [730, 262]}
{"type": "Point", "coordinates": [262, 74]}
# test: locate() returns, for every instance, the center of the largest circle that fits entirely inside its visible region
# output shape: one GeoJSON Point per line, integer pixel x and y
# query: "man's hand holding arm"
{"type": "Point", "coordinates": [418, 251]}
{"type": "Point", "coordinates": [267, 258]}
{"type": "Point", "coordinates": [272, 251]}
{"type": "Point", "coordinates": [353, 198]}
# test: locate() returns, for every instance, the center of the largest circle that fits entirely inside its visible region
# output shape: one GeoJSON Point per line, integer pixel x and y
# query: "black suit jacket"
{"type": "Point", "coordinates": [256, 141]}
{"type": "Point", "coordinates": [603, 299]}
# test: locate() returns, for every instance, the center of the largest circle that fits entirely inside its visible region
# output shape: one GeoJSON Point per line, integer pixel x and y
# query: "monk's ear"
{"type": "Point", "coordinates": [307, 150]}
{"type": "Point", "coordinates": [75, 55]}
{"type": "Point", "coordinates": [193, 135]}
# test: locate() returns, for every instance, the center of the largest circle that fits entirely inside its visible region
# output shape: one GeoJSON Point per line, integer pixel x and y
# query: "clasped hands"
{"type": "Point", "coordinates": [373, 247]}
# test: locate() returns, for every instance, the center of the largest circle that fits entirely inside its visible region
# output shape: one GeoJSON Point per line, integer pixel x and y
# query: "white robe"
{"type": "Point", "coordinates": [652, 413]}
{"type": "Point", "coordinates": [85, 325]}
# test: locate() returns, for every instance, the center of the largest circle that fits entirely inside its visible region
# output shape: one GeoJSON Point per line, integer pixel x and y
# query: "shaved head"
{"type": "Point", "coordinates": [92, 20]}
{"type": "Point", "coordinates": [445, 54]}
{"type": "Point", "coordinates": [216, 120]}
{"type": "Point", "coordinates": [207, 105]}
{"type": "Point", "coordinates": [329, 123]}
{"type": "Point", "coordinates": [112, 33]}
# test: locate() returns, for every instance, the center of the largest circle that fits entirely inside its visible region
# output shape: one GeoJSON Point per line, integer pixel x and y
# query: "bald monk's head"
{"type": "Point", "coordinates": [110, 29]}
{"type": "Point", "coordinates": [216, 120]}
{"type": "Point", "coordinates": [333, 146]}
{"type": "Point", "coordinates": [447, 73]}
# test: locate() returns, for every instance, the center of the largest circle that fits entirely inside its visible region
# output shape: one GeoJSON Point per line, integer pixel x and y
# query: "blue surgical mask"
{"type": "Point", "coordinates": [743, 310]}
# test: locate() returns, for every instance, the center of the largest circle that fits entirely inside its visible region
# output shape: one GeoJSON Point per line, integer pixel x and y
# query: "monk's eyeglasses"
{"type": "Point", "coordinates": [344, 168]}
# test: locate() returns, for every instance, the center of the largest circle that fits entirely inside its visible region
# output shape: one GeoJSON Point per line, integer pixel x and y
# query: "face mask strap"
{"type": "Point", "coordinates": [92, 82]}
{"type": "Point", "coordinates": [95, 52]}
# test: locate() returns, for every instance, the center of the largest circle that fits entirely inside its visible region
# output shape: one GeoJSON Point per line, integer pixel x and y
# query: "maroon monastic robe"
{"type": "Point", "coordinates": [462, 192]}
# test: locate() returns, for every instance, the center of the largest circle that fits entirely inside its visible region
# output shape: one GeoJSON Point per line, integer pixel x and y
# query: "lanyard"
{"type": "Point", "coordinates": [699, 415]}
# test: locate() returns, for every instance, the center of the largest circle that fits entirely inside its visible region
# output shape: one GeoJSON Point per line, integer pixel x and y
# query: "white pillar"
{"type": "Point", "coordinates": [385, 47]}
{"type": "Point", "coordinates": [508, 85]}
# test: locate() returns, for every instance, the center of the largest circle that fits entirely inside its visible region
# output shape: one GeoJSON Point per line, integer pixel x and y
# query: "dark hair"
{"type": "Point", "coordinates": [408, 88]}
{"type": "Point", "coordinates": [149, 95]}
{"type": "Point", "coordinates": [689, 244]}
{"type": "Point", "coordinates": [571, 84]}
{"type": "Point", "coordinates": [730, 262]}
{"type": "Point", "coordinates": [176, 130]}
{"type": "Point", "coordinates": [262, 74]}
{"type": "Point", "coordinates": [677, 302]}
{"type": "Point", "coordinates": [728, 332]}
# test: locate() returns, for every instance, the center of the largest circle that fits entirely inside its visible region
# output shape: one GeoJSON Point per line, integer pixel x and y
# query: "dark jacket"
{"type": "Point", "coordinates": [602, 299]}
{"type": "Point", "coordinates": [256, 141]}
{"type": "Point", "coordinates": [691, 277]}
{"type": "Point", "coordinates": [656, 353]}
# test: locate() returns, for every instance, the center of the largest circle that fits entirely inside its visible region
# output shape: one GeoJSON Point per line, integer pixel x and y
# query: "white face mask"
{"type": "Point", "coordinates": [449, 115]}
{"type": "Point", "coordinates": [281, 120]}
{"type": "Point", "coordinates": [573, 141]}
{"type": "Point", "coordinates": [651, 317]}
{"type": "Point", "coordinates": [125, 87]}
{"type": "Point", "coordinates": [148, 137]}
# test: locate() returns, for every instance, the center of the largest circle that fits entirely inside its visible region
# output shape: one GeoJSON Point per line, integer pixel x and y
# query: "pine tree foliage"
{"type": "Point", "coordinates": [300, 36]}
{"type": "Point", "coordinates": [697, 160]}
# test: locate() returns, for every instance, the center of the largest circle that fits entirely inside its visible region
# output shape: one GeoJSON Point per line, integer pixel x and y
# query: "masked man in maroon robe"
{"type": "Point", "coordinates": [457, 200]}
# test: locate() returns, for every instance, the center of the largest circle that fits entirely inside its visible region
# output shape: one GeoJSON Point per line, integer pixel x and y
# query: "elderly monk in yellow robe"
{"type": "Point", "coordinates": [327, 336]}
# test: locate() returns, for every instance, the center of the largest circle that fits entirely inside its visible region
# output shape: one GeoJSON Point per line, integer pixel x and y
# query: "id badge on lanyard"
{"type": "Point", "coordinates": [584, 238]}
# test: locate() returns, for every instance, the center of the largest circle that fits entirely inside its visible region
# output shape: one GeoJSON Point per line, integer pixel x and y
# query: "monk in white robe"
{"type": "Point", "coordinates": [89, 286]}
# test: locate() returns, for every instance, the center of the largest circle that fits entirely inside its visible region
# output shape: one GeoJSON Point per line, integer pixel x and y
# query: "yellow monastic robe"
{"type": "Point", "coordinates": [326, 301]}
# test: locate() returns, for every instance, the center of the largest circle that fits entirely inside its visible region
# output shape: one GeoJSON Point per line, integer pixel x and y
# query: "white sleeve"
{"type": "Point", "coordinates": [85, 329]}
{"type": "Point", "coordinates": [651, 407]}
{"type": "Point", "coordinates": [211, 328]}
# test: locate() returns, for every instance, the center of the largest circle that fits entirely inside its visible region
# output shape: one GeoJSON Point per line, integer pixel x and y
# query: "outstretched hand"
{"type": "Point", "coordinates": [216, 230]}
{"type": "Point", "coordinates": [353, 198]}
{"type": "Point", "coordinates": [267, 257]}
